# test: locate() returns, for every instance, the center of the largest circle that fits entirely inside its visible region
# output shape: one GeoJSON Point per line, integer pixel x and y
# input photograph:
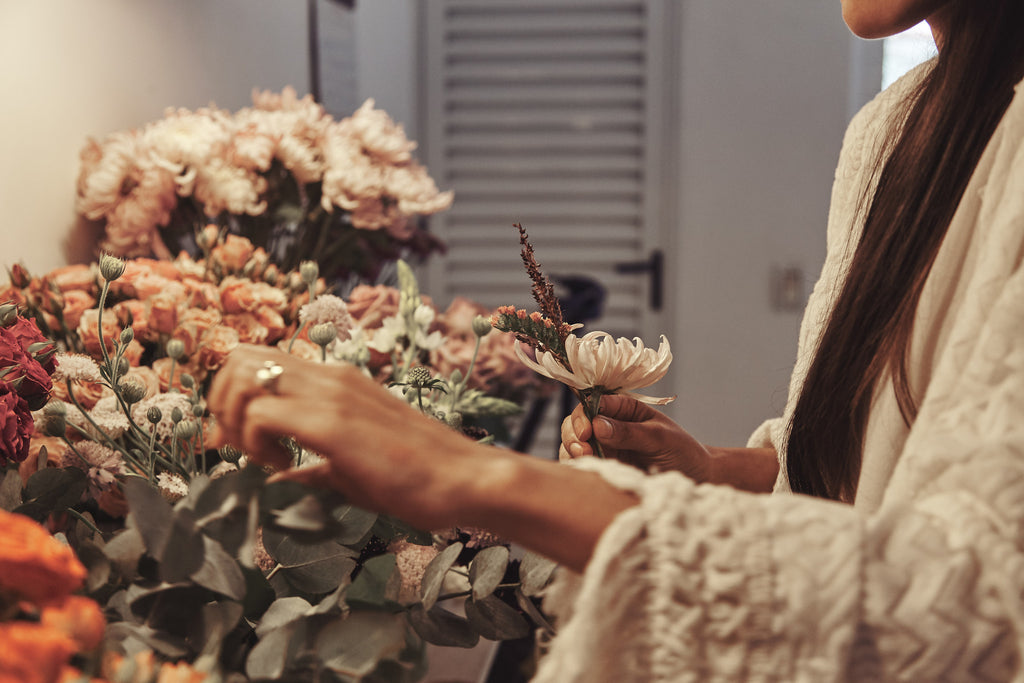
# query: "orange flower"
{"type": "Point", "coordinates": [77, 617]}
{"type": "Point", "coordinates": [32, 653]}
{"type": "Point", "coordinates": [78, 277]}
{"type": "Point", "coordinates": [233, 253]}
{"type": "Point", "coordinates": [33, 564]}
{"type": "Point", "coordinates": [182, 672]}
{"type": "Point", "coordinates": [216, 344]}
{"type": "Point", "coordinates": [240, 296]}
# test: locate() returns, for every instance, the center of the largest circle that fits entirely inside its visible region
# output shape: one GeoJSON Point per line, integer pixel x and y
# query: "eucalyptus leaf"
{"type": "Point", "coordinates": [376, 585]}
{"type": "Point", "coordinates": [314, 568]}
{"type": "Point", "coordinates": [124, 551]}
{"type": "Point", "coordinates": [389, 528]}
{"type": "Point", "coordinates": [151, 513]}
{"type": "Point", "coordinates": [218, 619]}
{"type": "Point", "coordinates": [52, 489]}
{"type": "Point", "coordinates": [307, 514]}
{"type": "Point", "coordinates": [269, 657]}
{"type": "Point", "coordinates": [224, 494]}
{"type": "Point", "coordinates": [433, 575]}
{"type": "Point", "coordinates": [531, 611]}
{"type": "Point", "coordinates": [259, 594]}
{"type": "Point", "coordinates": [487, 570]}
{"type": "Point", "coordinates": [334, 602]}
{"type": "Point", "coordinates": [438, 626]}
{"type": "Point", "coordinates": [354, 645]}
{"type": "Point", "coordinates": [535, 572]}
{"type": "Point", "coordinates": [495, 620]}
{"type": "Point", "coordinates": [96, 563]}
{"type": "Point", "coordinates": [281, 612]}
{"type": "Point", "coordinates": [219, 571]}
{"type": "Point", "coordinates": [355, 523]}
{"type": "Point", "coordinates": [10, 490]}
{"type": "Point", "coordinates": [163, 643]}
{"type": "Point", "coordinates": [184, 550]}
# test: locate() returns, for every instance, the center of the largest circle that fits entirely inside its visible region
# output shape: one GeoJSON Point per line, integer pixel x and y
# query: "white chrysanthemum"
{"type": "Point", "coordinates": [172, 486]}
{"type": "Point", "coordinates": [328, 308]}
{"type": "Point", "coordinates": [104, 464]}
{"type": "Point", "coordinates": [108, 416]}
{"type": "Point", "coordinates": [76, 367]}
{"type": "Point", "coordinates": [617, 366]}
{"type": "Point", "coordinates": [166, 402]}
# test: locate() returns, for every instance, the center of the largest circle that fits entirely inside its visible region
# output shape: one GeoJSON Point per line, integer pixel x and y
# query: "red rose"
{"type": "Point", "coordinates": [16, 428]}
{"type": "Point", "coordinates": [27, 332]}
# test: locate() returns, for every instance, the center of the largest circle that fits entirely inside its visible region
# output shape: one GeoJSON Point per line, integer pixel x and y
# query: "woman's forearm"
{"type": "Point", "coordinates": [747, 469]}
{"type": "Point", "coordinates": [557, 511]}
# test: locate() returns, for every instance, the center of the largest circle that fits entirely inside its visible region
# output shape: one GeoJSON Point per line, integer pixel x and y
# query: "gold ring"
{"type": "Point", "coordinates": [268, 376]}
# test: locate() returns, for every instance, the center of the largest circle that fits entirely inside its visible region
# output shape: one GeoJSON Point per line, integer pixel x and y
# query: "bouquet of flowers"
{"type": "Point", "coordinates": [282, 173]}
{"type": "Point", "coordinates": [201, 566]}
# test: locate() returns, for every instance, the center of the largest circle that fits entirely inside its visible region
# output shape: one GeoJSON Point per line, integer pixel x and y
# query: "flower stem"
{"type": "Point", "coordinates": [590, 399]}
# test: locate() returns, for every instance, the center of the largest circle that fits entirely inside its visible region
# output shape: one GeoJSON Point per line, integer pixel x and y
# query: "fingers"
{"type": "Point", "coordinates": [618, 407]}
{"type": "Point", "coordinates": [575, 433]}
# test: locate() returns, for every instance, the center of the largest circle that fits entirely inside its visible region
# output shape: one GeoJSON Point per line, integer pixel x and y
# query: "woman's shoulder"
{"type": "Point", "coordinates": [879, 111]}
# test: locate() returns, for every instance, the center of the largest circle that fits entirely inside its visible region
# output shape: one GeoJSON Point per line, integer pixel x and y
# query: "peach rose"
{"type": "Point", "coordinates": [55, 449]}
{"type": "Point", "coordinates": [34, 564]}
{"type": "Point", "coordinates": [135, 313]}
{"type": "Point", "coordinates": [76, 302]}
{"type": "Point", "coordinates": [74, 278]}
{"type": "Point", "coordinates": [133, 352]}
{"type": "Point", "coordinates": [88, 331]}
{"type": "Point", "coordinates": [232, 253]}
{"type": "Point", "coordinates": [192, 324]}
{"type": "Point", "coordinates": [301, 348]}
{"type": "Point", "coordinates": [77, 617]}
{"type": "Point", "coordinates": [216, 344]}
{"type": "Point", "coordinates": [273, 321]}
{"type": "Point", "coordinates": [201, 294]}
{"type": "Point", "coordinates": [369, 305]}
{"type": "Point", "coordinates": [86, 393]}
{"type": "Point", "coordinates": [144, 277]}
{"type": "Point", "coordinates": [239, 296]}
{"type": "Point", "coordinates": [250, 330]}
{"type": "Point", "coordinates": [112, 501]}
{"type": "Point", "coordinates": [162, 311]}
{"type": "Point", "coordinates": [162, 368]}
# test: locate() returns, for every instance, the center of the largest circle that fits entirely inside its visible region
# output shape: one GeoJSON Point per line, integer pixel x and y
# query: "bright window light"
{"type": "Point", "coordinates": [903, 51]}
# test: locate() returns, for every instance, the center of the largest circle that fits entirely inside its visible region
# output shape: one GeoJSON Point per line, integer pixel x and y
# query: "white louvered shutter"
{"type": "Point", "coordinates": [549, 113]}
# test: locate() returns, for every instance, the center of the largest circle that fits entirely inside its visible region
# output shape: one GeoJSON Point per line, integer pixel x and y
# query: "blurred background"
{"type": "Point", "coordinates": [677, 153]}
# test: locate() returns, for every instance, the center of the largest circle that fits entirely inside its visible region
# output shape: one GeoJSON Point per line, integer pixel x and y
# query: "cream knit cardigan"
{"type": "Point", "coordinates": [922, 579]}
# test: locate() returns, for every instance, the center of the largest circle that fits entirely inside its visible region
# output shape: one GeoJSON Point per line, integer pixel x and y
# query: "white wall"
{"type": "Point", "coordinates": [764, 104]}
{"type": "Point", "coordinates": [75, 68]}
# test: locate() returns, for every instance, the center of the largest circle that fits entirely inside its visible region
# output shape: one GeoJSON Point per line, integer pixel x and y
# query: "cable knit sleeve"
{"type": "Point", "coordinates": [705, 583]}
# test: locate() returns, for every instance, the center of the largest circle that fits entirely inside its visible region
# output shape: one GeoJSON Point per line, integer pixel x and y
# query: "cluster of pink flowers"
{"type": "Point", "coordinates": [26, 363]}
{"type": "Point", "coordinates": [220, 162]}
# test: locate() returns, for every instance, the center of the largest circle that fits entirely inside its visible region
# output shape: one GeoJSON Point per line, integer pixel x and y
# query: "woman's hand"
{"type": "Point", "coordinates": [636, 434]}
{"type": "Point", "coordinates": [382, 454]}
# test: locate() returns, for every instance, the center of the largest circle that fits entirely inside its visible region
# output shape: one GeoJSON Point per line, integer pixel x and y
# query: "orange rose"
{"type": "Point", "coordinates": [249, 329]}
{"type": "Point", "coordinates": [162, 310]}
{"type": "Point", "coordinates": [192, 324]}
{"type": "Point", "coordinates": [182, 672]}
{"type": "Point", "coordinates": [144, 277]}
{"type": "Point", "coordinates": [32, 653]}
{"type": "Point", "coordinates": [76, 302]}
{"type": "Point", "coordinates": [33, 564]}
{"type": "Point", "coordinates": [232, 253]}
{"type": "Point", "coordinates": [201, 294]}
{"type": "Point", "coordinates": [133, 352]}
{"type": "Point", "coordinates": [273, 321]}
{"type": "Point", "coordinates": [55, 449]}
{"type": "Point", "coordinates": [89, 332]}
{"type": "Point", "coordinates": [77, 617]}
{"type": "Point", "coordinates": [301, 348]}
{"type": "Point", "coordinates": [112, 501]}
{"type": "Point", "coordinates": [86, 393]}
{"type": "Point", "coordinates": [75, 277]}
{"type": "Point", "coordinates": [162, 368]}
{"type": "Point", "coordinates": [216, 344]}
{"type": "Point", "coordinates": [240, 296]}
{"type": "Point", "coordinates": [370, 305]}
{"type": "Point", "coordinates": [135, 313]}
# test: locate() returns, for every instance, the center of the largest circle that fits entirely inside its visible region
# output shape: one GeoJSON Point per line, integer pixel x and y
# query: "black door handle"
{"type": "Point", "coordinates": [655, 268]}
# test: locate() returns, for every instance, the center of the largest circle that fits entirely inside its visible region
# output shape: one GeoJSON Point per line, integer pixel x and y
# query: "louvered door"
{"type": "Point", "coordinates": [549, 113]}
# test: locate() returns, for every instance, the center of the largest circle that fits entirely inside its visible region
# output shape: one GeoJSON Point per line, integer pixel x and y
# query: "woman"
{"type": "Point", "coordinates": [904, 557]}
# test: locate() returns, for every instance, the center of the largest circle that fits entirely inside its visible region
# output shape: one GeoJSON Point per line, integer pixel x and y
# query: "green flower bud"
{"type": "Point", "coordinates": [8, 312]}
{"type": "Point", "coordinates": [154, 414]}
{"type": "Point", "coordinates": [323, 334]}
{"type": "Point", "coordinates": [185, 430]}
{"type": "Point", "coordinates": [175, 348]}
{"type": "Point", "coordinates": [481, 326]}
{"type": "Point", "coordinates": [187, 380]}
{"type": "Point", "coordinates": [54, 425]}
{"type": "Point", "coordinates": [55, 408]}
{"type": "Point", "coordinates": [456, 378]}
{"type": "Point", "coordinates": [270, 275]}
{"type": "Point", "coordinates": [418, 377]}
{"type": "Point", "coordinates": [310, 271]}
{"type": "Point", "coordinates": [127, 334]}
{"type": "Point", "coordinates": [123, 366]}
{"type": "Point", "coordinates": [453, 420]}
{"type": "Point", "coordinates": [176, 415]}
{"type": "Point", "coordinates": [132, 391]}
{"type": "Point", "coordinates": [197, 410]}
{"type": "Point", "coordinates": [111, 267]}
{"type": "Point", "coordinates": [230, 454]}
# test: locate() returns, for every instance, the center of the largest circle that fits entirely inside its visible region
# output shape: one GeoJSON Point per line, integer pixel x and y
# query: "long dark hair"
{"type": "Point", "coordinates": [947, 122]}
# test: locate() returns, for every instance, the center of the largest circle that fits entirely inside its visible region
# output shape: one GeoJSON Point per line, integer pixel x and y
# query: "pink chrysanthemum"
{"type": "Point", "coordinates": [328, 308]}
{"type": "Point", "coordinates": [76, 367]}
{"type": "Point", "coordinates": [104, 466]}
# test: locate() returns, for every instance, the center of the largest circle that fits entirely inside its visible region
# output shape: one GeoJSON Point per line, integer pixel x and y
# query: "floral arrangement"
{"type": "Point", "coordinates": [282, 173]}
{"type": "Point", "coordinates": [204, 570]}
{"type": "Point", "coordinates": [593, 365]}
